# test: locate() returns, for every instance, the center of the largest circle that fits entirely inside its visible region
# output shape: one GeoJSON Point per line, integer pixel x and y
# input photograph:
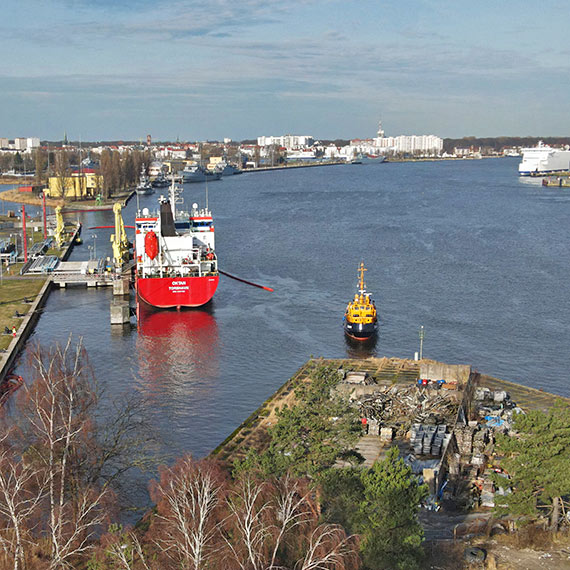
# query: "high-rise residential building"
{"type": "Point", "coordinates": [287, 141]}
{"type": "Point", "coordinates": [409, 143]}
{"type": "Point", "coordinates": [20, 143]}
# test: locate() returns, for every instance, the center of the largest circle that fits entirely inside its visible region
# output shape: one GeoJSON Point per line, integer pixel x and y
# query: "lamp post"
{"type": "Point", "coordinates": [422, 334]}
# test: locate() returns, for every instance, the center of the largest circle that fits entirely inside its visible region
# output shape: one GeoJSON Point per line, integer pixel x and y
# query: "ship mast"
{"type": "Point", "coordinates": [361, 285]}
{"type": "Point", "coordinates": [175, 198]}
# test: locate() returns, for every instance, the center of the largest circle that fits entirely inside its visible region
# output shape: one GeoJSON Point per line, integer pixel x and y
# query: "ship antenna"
{"type": "Point", "coordinates": [206, 193]}
{"type": "Point", "coordinates": [361, 271]}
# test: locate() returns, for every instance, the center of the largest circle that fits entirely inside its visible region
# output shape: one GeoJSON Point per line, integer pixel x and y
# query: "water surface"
{"type": "Point", "coordinates": [465, 248]}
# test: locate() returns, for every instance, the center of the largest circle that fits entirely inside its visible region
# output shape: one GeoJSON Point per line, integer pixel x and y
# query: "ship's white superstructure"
{"type": "Point", "coordinates": [543, 159]}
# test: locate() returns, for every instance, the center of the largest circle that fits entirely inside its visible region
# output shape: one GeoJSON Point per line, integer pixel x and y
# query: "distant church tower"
{"type": "Point", "coordinates": [380, 130]}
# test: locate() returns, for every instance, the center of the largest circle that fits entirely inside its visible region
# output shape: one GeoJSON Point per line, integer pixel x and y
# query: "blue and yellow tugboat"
{"type": "Point", "coordinates": [360, 317]}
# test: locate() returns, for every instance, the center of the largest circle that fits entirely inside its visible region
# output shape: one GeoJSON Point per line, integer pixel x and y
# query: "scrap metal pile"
{"type": "Point", "coordinates": [401, 406]}
{"type": "Point", "coordinates": [495, 409]}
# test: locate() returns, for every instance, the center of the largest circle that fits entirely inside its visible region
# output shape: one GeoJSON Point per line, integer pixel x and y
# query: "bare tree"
{"type": "Point", "coordinates": [40, 161]}
{"type": "Point", "coordinates": [273, 523]}
{"type": "Point", "coordinates": [58, 408]}
{"type": "Point", "coordinates": [187, 497]}
{"type": "Point", "coordinates": [250, 524]}
{"type": "Point", "coordinates": [62, 173]}
{"type": "Point", "coordinates": [125, 551]}
{"type": "Point", "coordinates": [21, 491]}
{"type": "Point", "coordinates": [291, 510]}
{"type": "Point", "coordinates": [329, 548]}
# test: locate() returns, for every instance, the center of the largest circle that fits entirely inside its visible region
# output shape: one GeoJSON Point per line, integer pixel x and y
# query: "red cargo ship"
{"type": "Point", "coordinates": [176, 263]}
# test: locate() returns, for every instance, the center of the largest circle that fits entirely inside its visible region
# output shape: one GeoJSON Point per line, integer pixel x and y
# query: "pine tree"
{"type": "Point", "coordinates": [388, 515]}
{"type": "Point", "coordinates": [309, 436]}
{"type": "Point", "coordinates": [538, 462]}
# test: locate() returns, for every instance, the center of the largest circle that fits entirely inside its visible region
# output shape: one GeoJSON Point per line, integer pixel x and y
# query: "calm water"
{"type": "Point", "coordinates": [467, 249]}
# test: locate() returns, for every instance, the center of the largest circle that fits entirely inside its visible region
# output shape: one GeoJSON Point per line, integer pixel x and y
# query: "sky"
{"type": "Point", "coordinates": [188, 70]}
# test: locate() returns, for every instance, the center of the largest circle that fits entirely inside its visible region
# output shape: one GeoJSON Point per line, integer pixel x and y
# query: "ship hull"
{"type": "Point", "coordinates": [542, 160]}
{"type": "Point", "coordinates": [359, 331]}
{"type": "Point", "coordinates": [177, 292]}
{"type": "Point", "coordinates": [372, 159]}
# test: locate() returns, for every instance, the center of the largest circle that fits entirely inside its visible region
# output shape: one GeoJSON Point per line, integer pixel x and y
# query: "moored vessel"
{"type": "Point", "coordinates": [176, 263]}
{"type": "Point", "coordinates": [226, 169]}
{"type": "Point", "coordinates": [160, 181]}
{"type": "Point", "coordinates": [144, 186]}
{"type": "Point", "coordinates": [543, 159]}
{"type": "Point", "coordinates": [198, 174]}
{"type": "Point", "coordinates": [373, 158]}
{"type": "Point", "coordinates": [360, 318]}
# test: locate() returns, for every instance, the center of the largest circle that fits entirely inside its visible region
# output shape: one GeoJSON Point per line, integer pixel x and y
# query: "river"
{"type": "Point", "coordinates": [476, 255]}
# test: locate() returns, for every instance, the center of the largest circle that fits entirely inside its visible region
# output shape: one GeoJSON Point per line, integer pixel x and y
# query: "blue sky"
{"type": "Point", "coordinates": [110, 69]}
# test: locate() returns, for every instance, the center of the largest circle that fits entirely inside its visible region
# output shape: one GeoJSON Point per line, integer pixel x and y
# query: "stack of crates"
{"type": "Point", "coordinates": [416, 436]}
{"type": "Point", "coordinates": [438, 440]}
{"type": "Point", "coordinates": [429, 433]}
{"type": "Point", "coordinates": [427, 439]}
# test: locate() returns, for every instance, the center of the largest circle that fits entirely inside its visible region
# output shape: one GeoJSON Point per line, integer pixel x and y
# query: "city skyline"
{"type": "Point", "coordinates": [181, 69]}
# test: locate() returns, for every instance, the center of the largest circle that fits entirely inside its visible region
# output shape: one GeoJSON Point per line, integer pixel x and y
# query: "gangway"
{"type": "Point", "coordinates": [93, 273]}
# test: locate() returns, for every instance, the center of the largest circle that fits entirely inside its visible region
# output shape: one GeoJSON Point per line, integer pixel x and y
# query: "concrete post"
{"type": "Point", "coordinates": [121, 286]}
{"type": "Point", "coordinates": [120, 313]}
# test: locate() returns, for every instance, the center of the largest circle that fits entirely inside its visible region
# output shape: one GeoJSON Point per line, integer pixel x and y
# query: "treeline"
{"type": "Point", "coordinates": [121, 171]}
{"type": "Point", "coordinates": [499, 143]}
{"type": "Point", "coordinates": [116, 171]}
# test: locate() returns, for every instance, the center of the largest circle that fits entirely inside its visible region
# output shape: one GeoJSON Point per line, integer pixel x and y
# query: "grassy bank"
{"type": "Point", "coordinates": [35, 200]}
{"type": "Point", "coordinates": [28, 198]}
{"type": "Point", "coordinates": [13, 295]}
{"type": "Point", "coordinates": [19, 180]}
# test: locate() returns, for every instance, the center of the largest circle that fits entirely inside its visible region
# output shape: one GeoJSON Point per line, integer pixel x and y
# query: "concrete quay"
{"type": "Point", "coordinates": [29, 321]}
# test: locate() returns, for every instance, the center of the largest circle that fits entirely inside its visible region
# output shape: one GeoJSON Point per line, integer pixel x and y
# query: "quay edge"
{"type": "Point", "coordinates": [8, 358]}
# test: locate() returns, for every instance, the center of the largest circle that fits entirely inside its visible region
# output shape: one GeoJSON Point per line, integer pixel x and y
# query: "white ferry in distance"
{"type": "Point", "coordinates": [543, 159]}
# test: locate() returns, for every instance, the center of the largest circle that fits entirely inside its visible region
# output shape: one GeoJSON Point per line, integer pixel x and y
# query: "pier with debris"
{"type": "Point", "coordinates": [442, 417]}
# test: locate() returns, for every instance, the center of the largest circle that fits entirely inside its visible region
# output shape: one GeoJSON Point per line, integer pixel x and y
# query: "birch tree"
{"type": "Point", "coordinates": [21, 490]}
{"type": "Point", "coordinates": [329, 548]}
{"type": "Point", "coordinates": [188, 498]}
{"type": "Point", "coordinates": [275, 525]}
{"type": "Point", "coordinates": [249, 530]}
{"type": "Point", "coordinates": [58, 409]}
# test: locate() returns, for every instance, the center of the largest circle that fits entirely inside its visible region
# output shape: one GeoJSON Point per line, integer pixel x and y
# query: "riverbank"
{"type": "Point", "coordinates": [84, 205]}
{"type": "Point", "coordinates": [23, 297]}
{"type": "Point", "coordinates": [314, 164]}
{"type": "Point", "coordinates": [19, 180]}
{"type": "Point", "coordinates": [27, 198]}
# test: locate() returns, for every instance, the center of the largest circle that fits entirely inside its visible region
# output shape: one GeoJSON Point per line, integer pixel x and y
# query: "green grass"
{"type": "Point", "coordinates": [12, 295]}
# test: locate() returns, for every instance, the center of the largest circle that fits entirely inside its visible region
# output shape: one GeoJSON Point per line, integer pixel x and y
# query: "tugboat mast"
{"type": "Point", "coordinates": [361, 284]}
